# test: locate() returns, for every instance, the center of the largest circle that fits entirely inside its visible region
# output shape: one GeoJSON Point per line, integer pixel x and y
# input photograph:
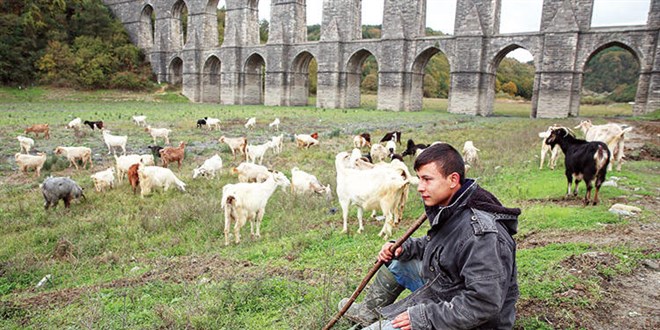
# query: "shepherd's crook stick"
{"type": "Point", "coordinates": [373, 271]}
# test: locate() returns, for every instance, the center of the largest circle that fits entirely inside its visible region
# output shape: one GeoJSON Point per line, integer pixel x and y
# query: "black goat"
{"type": "Point", "coordinates": [395, 136]}
{"type": "Point", "coordinates": [94, 124]}
{"type": "Point", "coordinates": [411, 148]}
{"type": "Point", "coordinates": [394, 156]}
{"type": "Point", "coordinates": [201, 122]}
{"type": "Point", "coordinates": [584, 161]}
{"type": "Point", "coordinates": [155, 150]}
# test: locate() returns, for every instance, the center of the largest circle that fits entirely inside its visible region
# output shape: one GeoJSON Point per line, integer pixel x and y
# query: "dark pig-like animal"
{"type": "Point", "coordinates": [56, 188]}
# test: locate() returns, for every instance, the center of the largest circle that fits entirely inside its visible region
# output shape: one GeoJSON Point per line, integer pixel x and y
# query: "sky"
{"type": "Point", "coordinates": [516, 15]}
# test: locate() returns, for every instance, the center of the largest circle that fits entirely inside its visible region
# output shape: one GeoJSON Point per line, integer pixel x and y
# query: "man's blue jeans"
{"type": "Point", "coordinates": [407, 274]}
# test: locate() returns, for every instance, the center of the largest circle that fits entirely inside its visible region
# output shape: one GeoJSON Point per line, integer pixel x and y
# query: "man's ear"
{"type": "Point", "coordinates": [454, 179]}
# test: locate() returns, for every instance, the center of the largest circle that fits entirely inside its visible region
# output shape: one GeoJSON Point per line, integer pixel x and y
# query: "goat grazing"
{"type": "Point", "coordinates": [201, 122]}
{"type": "Point", "coordinates": [39, 128]}
{"type": "Point", "coordinates": [104, 179]}
{"type": "Point", "coordinates": [134, 176]}
{"type": "Point", "coordinates": [209, 168]}
{"type": "Point", "coordinates": [584, 161]}
{"type": "Point", "coordinates": [470, 155]}
{"type": "Point", "coordinates": [26, 143]}
{"type": "Point", "coordinates": [55, 188]}
{"type": "Point", "coordinates": [123, 163]}
{"type": "Point", "coordinates": [140, 120]}
{"type": "Point", "coordinates": [245, 202]}
{"type": "Point", "coordinates": [235, 144]}
{"type": "Point", "coordinates": [305, 140]}
{"type": "Point", "coordinates": [26, 162]}
{"type": "Point", "coordinates": [378, 152]}
{"type": "Point", "coordinates": [304, 183]}
{"type": "Point", "coordinates": [413, 149]}
{"type": "Point", "coordinates": [249, 172]}
{"type": "Point", "coordinates": [275, 123]}
{"type": "Point", "coordinates": [362, 140]}
{"type": "Point", "coordinates": [155, 150]}
{"type": "Point", "coordinates": [212, 123]}
{"type": "Point", "coordinates": [156, 176]}
{"type": "Point", "coordinates": [94, 124]}
{"type": "Point", "coordinates": [251, 123]}
{"type": "Point", "coordinates": [257, 151]}
{"type": "Point", "coordinates": [170, 154]}
{"type": "Point", "coordinates": [612, 134]}
{"type": "Point", "coordinates": [277, 143]}
{"type": "Point", "coordinates": [114, 141]}
{"type": "Point", "coordinates": [392, 136]}
{"type": "Point", "coordinates": [74, 124]}
{"type": "Point", "coordinates": [159, 133]}
{"type": "Point", "coordinates": [73, 154]}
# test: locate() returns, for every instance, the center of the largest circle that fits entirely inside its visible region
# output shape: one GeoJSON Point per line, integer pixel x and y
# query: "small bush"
{"type": "Point", "coordinates": [129, 80]}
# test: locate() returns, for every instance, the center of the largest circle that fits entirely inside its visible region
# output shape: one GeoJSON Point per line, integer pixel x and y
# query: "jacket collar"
{"type": "Point", "coordinates": [438, 214]}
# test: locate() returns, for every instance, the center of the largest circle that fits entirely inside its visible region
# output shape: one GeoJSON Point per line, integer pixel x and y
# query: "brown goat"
{"type": "Point", "coordinates": [133, 177]}
{"type": "Point", "coordinates": [39, 128]}
{"type": "Point", "coordinates": [171, 154]}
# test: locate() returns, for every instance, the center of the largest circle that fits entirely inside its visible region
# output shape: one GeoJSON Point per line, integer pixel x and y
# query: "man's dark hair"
{"type": "Point", "coordinates": [446, 158]}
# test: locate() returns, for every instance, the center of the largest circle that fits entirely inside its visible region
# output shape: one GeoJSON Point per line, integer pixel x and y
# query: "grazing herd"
{"type": "Point", "coordinates": [363, 180]}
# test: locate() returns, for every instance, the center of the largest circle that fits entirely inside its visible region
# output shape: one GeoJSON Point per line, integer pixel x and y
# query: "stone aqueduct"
{"type": "Point", "coordinates": [231, 73]}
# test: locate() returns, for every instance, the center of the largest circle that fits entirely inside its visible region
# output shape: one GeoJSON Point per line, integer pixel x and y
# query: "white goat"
{"type": "Point", "coordinates": [212, 123]}
{"type": "Point", "coordinates": [26, 162]}
{"type": "Point", "coordinates": [159, 133]}
{"type": "Point", "coordinates": [277, 143]}
{"type": "Point", "coordinates": [612, 134]}
{"type": "Point", "coordinates": [378, 152]}
{"type": "Point", "coordinates": [235, 144]}
{"type": "Point", "coordinates": [209, 167]}
{"type": "Point", "coordinates": [359, 141]}
{"type": "Point", "coordinates": [257, 151]}
{"type": "Point", "coordinates": [73, 154]}
{"type": "Point", "coordinates": [123, 163]}
{"type": "Point", "coordinates": [244, 202]}
{"type": "Point", "coordinates": [390, 146]}
{"type": "Point", "coordinates": [104, 179]}
{"type": "Point", "coordinates": [305, 140]}
{"type": "Point", "coordinates": [74, 124]}
{"type": "Point", "coordinates": [470, 155]}
{"type": "Point", "coordinates": [251, 123]}
{"type": "Point", "coordinates": [114, 141]}
{"type": "Point", "coordinates": [384, 187]}
{"type": "Point", "coordinates": [26, 143]}
{"type": "Point", "coordinates": [304, 183]}
{"type": "Point", "coordinates": [249, 172]}
{"type": "Point", "coordinates": [156, 176]}
{"type": "Point", "coordinates": [275, 123]}
{"type": "Point", "coordinates": [545, 148]}
{"type": "Point", "coordinates": [140, 120]}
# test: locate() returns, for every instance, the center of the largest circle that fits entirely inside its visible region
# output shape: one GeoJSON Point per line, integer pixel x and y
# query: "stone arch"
{"type": "Point", "coordinates": [492, 67]}
{"type": "Point", "coordinates": [417, 79]}
{"type": "Point", "coordinates": [211, 80]}
{"type": "Point", "coordinates": [178, 32]}
{"type": "Point", "coordinates": [210, 28]}
{"type": "Point", "coordinates": [254, 76]}
{"type": "Point", "coordinates": [147, 28]}
{"type": "Point", "coordinates": [354, 75]}
{"type": "Point", "coordinates": [175, 71]}
{"type": "Point", "coordinates": [299, 81]}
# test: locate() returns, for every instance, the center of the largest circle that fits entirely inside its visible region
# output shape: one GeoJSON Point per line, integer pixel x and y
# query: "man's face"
{"type": "Point", "coordinates": [435, 188]}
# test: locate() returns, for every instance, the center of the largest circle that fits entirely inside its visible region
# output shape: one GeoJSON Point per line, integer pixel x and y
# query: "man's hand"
{"type": "Point", "coordinates": [402, 321]}
{"type": "Point", "coordinates": [385, 255]}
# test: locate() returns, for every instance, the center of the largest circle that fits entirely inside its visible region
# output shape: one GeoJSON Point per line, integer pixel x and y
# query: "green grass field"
{"type": "Point", "coordinates": [120, 261]}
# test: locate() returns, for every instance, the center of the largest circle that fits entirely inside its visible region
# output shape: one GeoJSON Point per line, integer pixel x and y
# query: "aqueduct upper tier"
{"type": "Point", "coordinates": [232, 73]}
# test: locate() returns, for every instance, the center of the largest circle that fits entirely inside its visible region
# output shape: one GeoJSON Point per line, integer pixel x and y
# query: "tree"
{"type": "Point", "coordinates": [510, 88]}
{"type": "Point", "coordinates": [263, 31]}
{"type": "Point", "coordinates": [221, 14]}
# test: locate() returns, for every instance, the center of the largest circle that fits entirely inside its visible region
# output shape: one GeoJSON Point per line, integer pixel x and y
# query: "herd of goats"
{"type": "Point", "coordinates": [365, 180]}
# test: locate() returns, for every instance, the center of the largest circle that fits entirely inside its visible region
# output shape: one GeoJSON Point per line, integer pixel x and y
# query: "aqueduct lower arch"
{"type": "Point", "coordinates": [560, 48]}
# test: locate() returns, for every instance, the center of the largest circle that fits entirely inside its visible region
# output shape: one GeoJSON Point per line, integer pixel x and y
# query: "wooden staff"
{"type": "Point", "coordinates": [373, 271]}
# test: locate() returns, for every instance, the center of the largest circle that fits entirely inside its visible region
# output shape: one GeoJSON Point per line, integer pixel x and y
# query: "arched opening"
{"type": "Point", "coordinates": [314, 15]}
{"type": "Point", "coordinates": [264, 19]}
{"type": "Point", "coordinates": [180, 24]}
{"type": "Point", "coordinates": [620, 13]}
{"type": "Point", "coordinates": [372, 18]}
{"type": "Point", "coordinates": [210, 21]}
{"type": "Point", "coordinates": [254, 78]}
{"type": "Point", "coordinates": [303, 79]}
{"type": "Point", "coordinates": [514, 83]}
{"type": "Point", "coordinates": [221, 16]}
{"type": "Point", "coordinates": [610, 75]}
{"type": "Point", "coordinates": [211, 80]}
{"type": "Point", "coordinates": [175, 72]}
{"type": "Point", "coordinates": [147, 28]}
{"type": "Point", "coordinates": [440, 17]}
{"type": "Point", "coordinates": [512, 11]}
{"type": "Point", "coordinates": [430, 80]}
{"type": "Point", "coordinates": [361, 78]}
